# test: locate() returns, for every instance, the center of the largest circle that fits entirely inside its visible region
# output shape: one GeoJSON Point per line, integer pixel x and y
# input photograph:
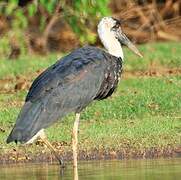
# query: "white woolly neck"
{"type": "Point", "coordinates": [109, 40]}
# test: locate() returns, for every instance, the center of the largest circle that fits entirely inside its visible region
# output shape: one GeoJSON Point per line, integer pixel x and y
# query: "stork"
{"type": "Point", "coordinates": [71, 84]}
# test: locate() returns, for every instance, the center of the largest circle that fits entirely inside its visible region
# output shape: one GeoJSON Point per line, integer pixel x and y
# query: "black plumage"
{"type": "Point", "coordinates": [86, 74]}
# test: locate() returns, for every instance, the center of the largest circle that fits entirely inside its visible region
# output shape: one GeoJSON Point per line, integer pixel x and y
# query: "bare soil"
{"type": "Point", "coordinates": [154, 72]}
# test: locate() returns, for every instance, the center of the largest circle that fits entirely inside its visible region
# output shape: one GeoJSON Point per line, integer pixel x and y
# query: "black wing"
{"type": "Point", "coordinates": [69, 85]}
{"type": "Point", "coordinates": [66, 70]}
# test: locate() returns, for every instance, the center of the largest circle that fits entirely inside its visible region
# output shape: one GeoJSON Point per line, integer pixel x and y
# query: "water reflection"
{"type": "Point", "coordinates": [97, 170]}
{"type": "Point", "coordinates": [76, 175]}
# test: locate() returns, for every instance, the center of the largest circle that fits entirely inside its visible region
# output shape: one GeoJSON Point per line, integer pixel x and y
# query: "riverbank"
{"type": "Point", "coordinates": [140, 120]}
{"type": "Point", "coordinates": [15, 156]}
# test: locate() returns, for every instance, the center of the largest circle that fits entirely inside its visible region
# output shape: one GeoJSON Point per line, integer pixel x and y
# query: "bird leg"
{"type": "Point", "coordinates": [52, 149]}
{"type": "Point", "coordinates": [75, 139]}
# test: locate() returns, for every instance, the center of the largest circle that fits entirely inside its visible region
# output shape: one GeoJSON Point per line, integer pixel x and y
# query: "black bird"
{"type": "Point", "coordinates": [71, 84]}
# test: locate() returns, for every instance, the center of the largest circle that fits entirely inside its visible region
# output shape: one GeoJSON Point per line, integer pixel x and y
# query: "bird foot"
{"type": "Point", "coordinates": [62, 164]}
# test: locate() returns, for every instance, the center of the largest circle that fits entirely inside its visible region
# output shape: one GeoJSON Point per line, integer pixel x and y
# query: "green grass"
{"type": "Point", "coordinates": [24, 65]}
{"type": "Point", "coordinates": [144, 112]}
{"type": "Point", "coordinates": [147, 118]}
{"type": "Point", "coordinates": [165, 55]}
{"type": "Point", "coordinates": [159, 54]}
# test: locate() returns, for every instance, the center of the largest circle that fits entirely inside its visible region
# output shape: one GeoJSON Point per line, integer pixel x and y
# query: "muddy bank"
{"type": "Point", "coordinates": [22, 156]}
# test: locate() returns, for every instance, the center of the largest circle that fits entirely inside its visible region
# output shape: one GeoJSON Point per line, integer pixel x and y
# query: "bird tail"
{"type": "Point", "coordinates": [26, 125]}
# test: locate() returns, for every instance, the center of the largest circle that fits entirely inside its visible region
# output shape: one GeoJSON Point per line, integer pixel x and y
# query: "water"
{"type": "Point", "coordinates": [157, 169]}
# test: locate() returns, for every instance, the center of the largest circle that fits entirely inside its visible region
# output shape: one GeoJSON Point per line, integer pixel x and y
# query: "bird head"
{"type": "Point", "coordinates": [112, 37]}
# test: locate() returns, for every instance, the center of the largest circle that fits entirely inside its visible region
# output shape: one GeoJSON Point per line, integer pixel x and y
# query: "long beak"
{"type": "Point", "coordinates": [124, 40]}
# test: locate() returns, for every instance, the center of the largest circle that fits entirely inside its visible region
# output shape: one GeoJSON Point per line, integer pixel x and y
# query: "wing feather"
{"type": "Point", "coordinates": [67, 86]}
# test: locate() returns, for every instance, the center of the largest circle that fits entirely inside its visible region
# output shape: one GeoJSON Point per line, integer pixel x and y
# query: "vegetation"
{"type": "Point", "coordinates": [35, 19]}
{"type": "Point", "coordinates": [41, 26]}
{"type": "Point", "coordinates": [144, 113]}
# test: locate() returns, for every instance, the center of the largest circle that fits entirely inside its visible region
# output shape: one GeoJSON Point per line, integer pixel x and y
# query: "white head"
{"type": "Point", "coordinates": [112, 37]}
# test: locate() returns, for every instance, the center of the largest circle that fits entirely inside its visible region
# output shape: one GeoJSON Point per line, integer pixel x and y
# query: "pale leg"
{"type": "Point", "coordinates": [76, 177]}
{"type": "Point", "coordinates": [75, 139]}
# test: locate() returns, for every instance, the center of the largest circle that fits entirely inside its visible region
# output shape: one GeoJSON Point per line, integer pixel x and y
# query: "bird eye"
{"type": "Point", "coordinates": [115, 27]}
